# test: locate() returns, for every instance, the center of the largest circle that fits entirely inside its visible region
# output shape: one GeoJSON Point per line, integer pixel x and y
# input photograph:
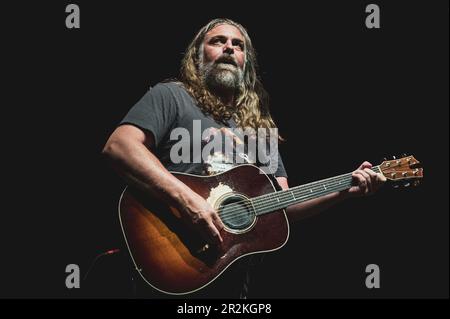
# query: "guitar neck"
{"type": "Point", "coordinates": [278, 200]}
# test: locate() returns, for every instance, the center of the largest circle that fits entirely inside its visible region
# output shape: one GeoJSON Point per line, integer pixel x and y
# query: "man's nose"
{"type": "Point", "coordinates": [228, 47]}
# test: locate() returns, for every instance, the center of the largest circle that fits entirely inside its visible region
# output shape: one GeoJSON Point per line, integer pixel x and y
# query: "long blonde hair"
{"type": "Point", "coordinates": [252, 101]}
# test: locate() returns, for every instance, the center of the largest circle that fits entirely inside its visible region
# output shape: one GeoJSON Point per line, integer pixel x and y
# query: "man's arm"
{"type": "Point", "coordinates": [129, 151]}
{"type": "Point", "coordinates": [366, 182]}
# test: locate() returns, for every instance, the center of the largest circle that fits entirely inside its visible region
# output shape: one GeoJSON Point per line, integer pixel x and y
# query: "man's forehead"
{"type": "Point", "coordinates": [227, 30]}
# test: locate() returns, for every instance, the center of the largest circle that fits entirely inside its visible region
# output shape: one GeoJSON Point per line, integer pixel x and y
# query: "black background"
{"type": "Point", "coordinates": [340, 94]}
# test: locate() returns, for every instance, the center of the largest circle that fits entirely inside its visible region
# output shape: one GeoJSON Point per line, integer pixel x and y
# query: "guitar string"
{"type": "Point", "coordinates": [266, 208]}
{"type": "Point", "coordinates": [267, 200]}
{"type": "Point", "coordinates": [285, 194]}
{"type": "Point", "coordinates": [271, 208]}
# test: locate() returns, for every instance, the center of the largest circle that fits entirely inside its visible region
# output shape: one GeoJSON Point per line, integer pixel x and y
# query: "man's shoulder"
{"type": "Point", "coordinates": [175, 92]}
{"type": "Point", "coordinates": [169, 87]}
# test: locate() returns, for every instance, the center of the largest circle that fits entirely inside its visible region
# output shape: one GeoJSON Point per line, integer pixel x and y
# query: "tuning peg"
{"type": "Point", "coordinates": [404, 155]}
{"type": "Point", "coordinates": [384, 158]}
{"type": "Point", "coordinates": [396, 186]}
{"type": "Point", "coordinates": [393, 157]}
{"type": "Point", "coordinates": [407, 184]}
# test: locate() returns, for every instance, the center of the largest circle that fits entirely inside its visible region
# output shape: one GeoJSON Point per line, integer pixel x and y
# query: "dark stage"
{"type": "Point", "coordinates": [340, 93]}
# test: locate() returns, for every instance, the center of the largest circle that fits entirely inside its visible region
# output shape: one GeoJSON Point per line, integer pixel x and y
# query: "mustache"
{"type": "Point", "coordinates": [226, 58]}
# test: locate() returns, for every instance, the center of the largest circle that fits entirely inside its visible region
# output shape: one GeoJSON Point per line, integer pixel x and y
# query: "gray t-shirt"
{"type": "Point", "coordinates": [168, 109]}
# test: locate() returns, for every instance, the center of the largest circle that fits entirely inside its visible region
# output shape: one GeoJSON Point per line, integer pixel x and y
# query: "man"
{"type": "Point", "coordinates": [219, 90]}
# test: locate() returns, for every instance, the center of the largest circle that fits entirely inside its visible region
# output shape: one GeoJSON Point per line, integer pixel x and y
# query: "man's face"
{"type": "Point", "coordinates": [223, 57]}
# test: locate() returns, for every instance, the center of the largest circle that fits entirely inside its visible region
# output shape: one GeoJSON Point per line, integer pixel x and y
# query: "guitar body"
{"type": "Point", "coordinates": [172, 258]}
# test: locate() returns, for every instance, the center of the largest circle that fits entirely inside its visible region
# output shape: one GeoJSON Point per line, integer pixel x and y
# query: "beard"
{"type": "Point", "coordinates": [222, 75]}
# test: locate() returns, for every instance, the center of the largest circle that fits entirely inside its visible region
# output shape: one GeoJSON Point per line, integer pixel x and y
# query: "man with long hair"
{"type": "Point", "coordinates": [218, 90]}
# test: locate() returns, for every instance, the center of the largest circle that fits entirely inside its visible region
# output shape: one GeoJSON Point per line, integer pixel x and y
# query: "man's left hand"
{"type": "Point", "coordinates": [366, 181]}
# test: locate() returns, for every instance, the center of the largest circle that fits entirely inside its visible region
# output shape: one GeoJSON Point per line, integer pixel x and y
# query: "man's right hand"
{"type": "Point", "coordinates": [197, 212]}
{"type": "Point", "coordinates": [129, 149]}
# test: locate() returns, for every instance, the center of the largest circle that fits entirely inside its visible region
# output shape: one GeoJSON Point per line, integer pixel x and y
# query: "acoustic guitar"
{"type": "Point", "coordinates": [173, 259]}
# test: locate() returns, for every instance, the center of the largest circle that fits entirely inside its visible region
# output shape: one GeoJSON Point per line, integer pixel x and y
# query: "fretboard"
{"type": "Point", "coordinates": [278, 200]}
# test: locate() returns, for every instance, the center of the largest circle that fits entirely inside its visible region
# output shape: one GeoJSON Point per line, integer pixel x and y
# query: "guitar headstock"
{"type": "Point", "coordinates": [405, 169]}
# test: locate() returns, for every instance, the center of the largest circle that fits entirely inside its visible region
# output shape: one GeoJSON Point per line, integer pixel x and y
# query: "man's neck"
{"type": "Point", "coordinates": [225, 96]}
{"type": "Point", "coordinates": [228, 101]}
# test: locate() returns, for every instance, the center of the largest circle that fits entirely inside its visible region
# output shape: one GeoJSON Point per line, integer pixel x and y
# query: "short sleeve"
{"type": "Point", "coordinates": [281, 171]}
{"type": "Point", "coordinates": [156, 111]}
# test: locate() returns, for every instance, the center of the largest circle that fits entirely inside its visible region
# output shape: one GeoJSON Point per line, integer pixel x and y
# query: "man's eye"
{"type": "Point", "coordinates": [239, 45]}
{"type": "Point", "coordinates": [215, 41]}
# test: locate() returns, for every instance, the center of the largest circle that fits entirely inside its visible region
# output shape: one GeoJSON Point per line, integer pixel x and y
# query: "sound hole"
{"type": "Point", "coordinates": [236, 212]}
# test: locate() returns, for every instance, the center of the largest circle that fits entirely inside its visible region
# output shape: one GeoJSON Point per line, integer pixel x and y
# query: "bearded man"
{"type": "Point", "coordinates": [218, 90]}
